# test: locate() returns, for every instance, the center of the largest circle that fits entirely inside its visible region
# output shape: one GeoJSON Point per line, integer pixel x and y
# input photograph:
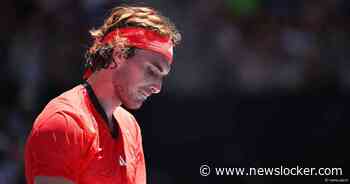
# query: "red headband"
{"type": "Point", "coordinates": [141, 38]}
{"type": "Point", "coordinates": [144, 39]}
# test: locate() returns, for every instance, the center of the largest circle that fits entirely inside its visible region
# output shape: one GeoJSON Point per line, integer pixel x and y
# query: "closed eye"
{"type": "Point", "coordinates": [153, 71]}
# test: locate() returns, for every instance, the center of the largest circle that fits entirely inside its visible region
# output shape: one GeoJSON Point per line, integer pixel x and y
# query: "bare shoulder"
{"type": "Point", "coordinates": [52, 180]}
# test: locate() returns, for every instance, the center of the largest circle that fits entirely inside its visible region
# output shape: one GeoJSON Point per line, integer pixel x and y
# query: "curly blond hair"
{"type": "Point", "coordinates": [99, 54]}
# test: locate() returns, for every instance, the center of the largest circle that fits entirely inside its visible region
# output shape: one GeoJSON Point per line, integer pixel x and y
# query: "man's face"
{"type": "Point", "coordinates": [138, 77]}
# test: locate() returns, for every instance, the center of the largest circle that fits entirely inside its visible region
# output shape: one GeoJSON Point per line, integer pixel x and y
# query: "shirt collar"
{"type": "Point", "coordinates": [97, 105]}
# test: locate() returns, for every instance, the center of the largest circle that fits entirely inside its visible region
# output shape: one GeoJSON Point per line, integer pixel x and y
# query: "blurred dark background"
{"type": "Point", "coordinates": [255, 83]}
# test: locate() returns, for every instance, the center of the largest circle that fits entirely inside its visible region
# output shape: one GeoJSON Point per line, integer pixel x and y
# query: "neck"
{"type": "Point", "coordinates": [103, 89]}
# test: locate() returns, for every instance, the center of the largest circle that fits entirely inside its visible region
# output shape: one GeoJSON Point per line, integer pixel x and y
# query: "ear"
{"type": "Point", "coordinates": [118, 57]}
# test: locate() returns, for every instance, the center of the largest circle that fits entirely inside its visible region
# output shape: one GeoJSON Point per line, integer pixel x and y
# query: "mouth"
{"type": "Point", "coordinates": [143, 95]}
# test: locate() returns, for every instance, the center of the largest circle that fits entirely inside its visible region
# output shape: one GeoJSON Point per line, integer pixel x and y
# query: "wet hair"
{"type": "Point", "coordinates": [99, 55]}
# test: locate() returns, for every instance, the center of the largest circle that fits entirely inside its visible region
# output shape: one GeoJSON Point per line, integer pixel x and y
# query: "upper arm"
{"type": "Point", "coordinates": [51, 180]}
{"type": "Point", "coordinates": [55, 148]}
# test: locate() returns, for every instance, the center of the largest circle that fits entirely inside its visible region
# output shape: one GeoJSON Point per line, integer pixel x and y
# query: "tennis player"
{"type": "Point", "coordinates": [84, 136]}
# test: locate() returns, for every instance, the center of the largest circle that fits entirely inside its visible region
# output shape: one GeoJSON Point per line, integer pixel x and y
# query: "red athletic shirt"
{"type": "Point", "coordinates": [70, 138]}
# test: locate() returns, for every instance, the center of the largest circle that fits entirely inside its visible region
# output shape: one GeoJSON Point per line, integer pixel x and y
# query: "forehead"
{"type": "Point", "coordinates": [153, 57]}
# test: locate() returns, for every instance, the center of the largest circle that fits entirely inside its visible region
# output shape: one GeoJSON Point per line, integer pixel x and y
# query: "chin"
{"type": "Point", "coordinates": [131, 102]}
{"type": "Point", "coordinates": [133, 106]}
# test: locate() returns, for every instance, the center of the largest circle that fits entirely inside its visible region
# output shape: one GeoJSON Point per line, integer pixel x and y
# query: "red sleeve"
{"type": "Point", "coordinates": [55, 147]}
